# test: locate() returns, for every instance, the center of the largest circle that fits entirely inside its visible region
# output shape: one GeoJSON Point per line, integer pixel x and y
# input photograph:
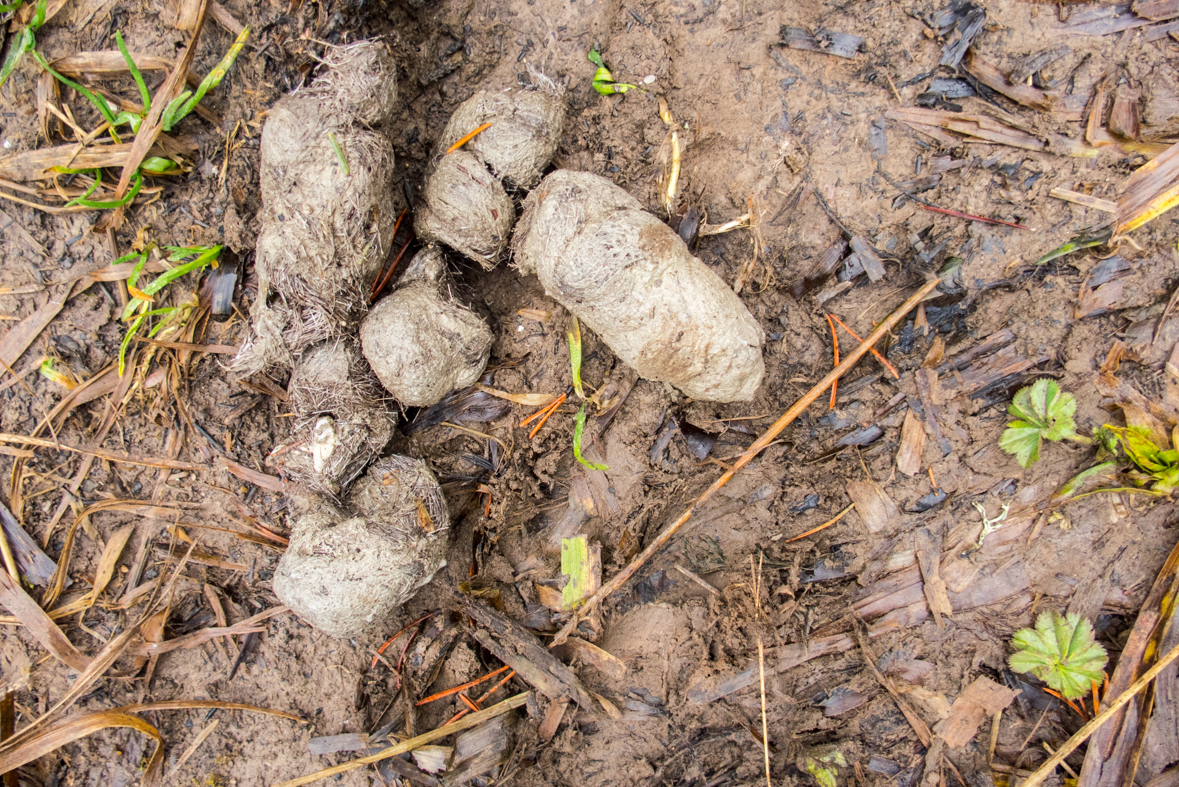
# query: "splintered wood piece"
{"type": "Point", "coordinates": [1021, 92]}
{"type": "Point", "coordinates": [828, 42]}
{"type": "Point", "coordinates": [912, 444]}
{"type": "Point", "coordinates": [929, 555]}
{"type": "Point", "coordinates": [517, 647]}
{"type": "Point", "coordinates": [1151, 191]}
{"type": "Point", "coordinates": [1123, 118]}
{"type": "Point", "coordinates": [981, 699]}
{"type": "Point", "coordinates": [552, 720]}
{"type": "Point", "coordinates": [873, 504]}
{"type": "Point", "coordinates": [606, 663]}
{"type": "Point", "coordinates": [873, 265]}
{"type": "Point", "coordinates": [480, 749]}
{"type": "Point", "coordinates": [979, 126]}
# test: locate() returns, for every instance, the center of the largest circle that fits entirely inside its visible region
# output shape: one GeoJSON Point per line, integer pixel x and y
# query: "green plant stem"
{"type": "Point", "coordinates": [578, 428]}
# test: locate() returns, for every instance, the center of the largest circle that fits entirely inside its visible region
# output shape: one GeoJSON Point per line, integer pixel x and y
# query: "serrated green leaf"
{"type": "Point", "coordinates": [1062, 652]}
{"type": "Point", "coordinates": [1042, 412]}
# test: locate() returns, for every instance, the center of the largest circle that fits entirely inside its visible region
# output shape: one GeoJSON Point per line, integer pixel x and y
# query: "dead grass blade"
{"type": "Point", "coordinates": [1151, 191]}
{"type": "Point", "coordinates": [34, 165]}
{"type": "Point", "coordinates": [760, 444]}
{"type": "Point", "coordinates": [270, 482]}
{"type": "Point", "coordinates": [21, 604]}
{"type": "Point", "coordinates": [973, 125]}
{"type": "Point", "coordinates": [1021, 93]}
{"type": "Point", "coordinates": [100, 453]}
{"type": "Point", "coordinates": [107, 62]}
{"type": "Point", "coordinates": [465, 723]}
{"type": "Point", "coordinates": [108, 560]}
{"type": "Point", "coordinates": [527, 399]}
{"type": "Point", "coordinates": [79, 726]}
{"type": "Point", "coordinates": [247, 626]}
{"type": "Point", "coordinates": [144, 707]}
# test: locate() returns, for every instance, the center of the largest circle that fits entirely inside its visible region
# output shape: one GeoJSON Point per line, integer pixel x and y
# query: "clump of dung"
{"type": "Point", "coordinates": [348, 569]}
{"type": "Point", "coordinates": [421, 341]}
{"type": "Point", "coordinates": [465, 202]}
{"type": "Point", "coordinates": [631, 279]}
{"type": "Point", "coordinates": [328, 207]}
{"type": "Point", "coordinates": [341, 419]}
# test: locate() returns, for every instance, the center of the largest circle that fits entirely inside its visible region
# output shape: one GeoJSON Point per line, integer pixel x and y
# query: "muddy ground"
{"type": "Point", "coordinates": [774, 128]}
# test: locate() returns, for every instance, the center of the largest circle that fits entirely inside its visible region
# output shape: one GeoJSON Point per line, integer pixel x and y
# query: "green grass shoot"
{"type": "Point", "coordinates": [578, 428]}
{"type": "Point", "coordinates": [339, 152]}
{"type": "Point", "coordinates": [181, 106]}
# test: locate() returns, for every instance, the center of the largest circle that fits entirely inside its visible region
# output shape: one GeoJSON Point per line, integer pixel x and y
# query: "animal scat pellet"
{"type": "Point", "coordinates": [632, 280]}
{"type": "Point", "coordinates": [465, 202]}
{"type": "Point", "coordinates": [342, 419]}
{"type": "Point", "coordinates": [327, 218]}
{"type": "Point", "coordinates": [348, 569]}
{"type": "Point", "coordinates": [420, 340]}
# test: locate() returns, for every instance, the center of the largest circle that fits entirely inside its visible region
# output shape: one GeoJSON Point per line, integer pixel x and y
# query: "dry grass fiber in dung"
{"type": "Point", "coordinates": [327, 218]}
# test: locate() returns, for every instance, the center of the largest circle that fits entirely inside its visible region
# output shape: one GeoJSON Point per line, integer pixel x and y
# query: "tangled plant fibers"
{"type": "Point", "coordinates": [341, 421]}
{"type": "Point", "coordinates": [631, 279]}
{"type": "Point", "coordinates": [464, 203]}
{"type": "Point", "coordinates": [325, 227]}
{"type": "Point", "coordinates": [420, 341]}
{"type": "Point", "coordinates": [346, 571]}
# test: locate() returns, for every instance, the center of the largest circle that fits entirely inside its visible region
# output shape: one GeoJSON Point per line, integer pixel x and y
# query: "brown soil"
{"type": "Point", "coordinates": [761, 122]}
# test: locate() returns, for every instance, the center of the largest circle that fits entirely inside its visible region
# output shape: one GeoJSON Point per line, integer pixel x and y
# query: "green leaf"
{"type": "Point", "coordinates": [1044, 412]}
{"type": "Point", "coordinates": [174, 116]}
{"type": "Point", "coordinates": [159, 166]}
{"type": "Point", "coordinates": [24, 43]}
{"type": "Point", "coordinates": [1062, 652]}
{"type": "Point", "coordinates": [1076, 482]}
{"type": "Point", "coordinates": [575, 357]}
{"type": "Point", "coordinates": [576, 564]}
{"type": "Point", "coordinates": [578, 428]}
{"type": "Point", "coordinates": [1082, 241]}
{"type": "Point", "coordinates": [144, 94]}
{"type": "Point", "coordinates": [97, 100]}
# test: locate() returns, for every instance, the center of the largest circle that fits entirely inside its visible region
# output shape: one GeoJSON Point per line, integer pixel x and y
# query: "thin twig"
{"type": "Point", "coordinates": [761, 662]}
{"type": "Point", "coordinates": [468, 138]}
{"type": "Point", "coordinates": [823, 526]}
{"type": "Point", "coordinates": [760, 444]}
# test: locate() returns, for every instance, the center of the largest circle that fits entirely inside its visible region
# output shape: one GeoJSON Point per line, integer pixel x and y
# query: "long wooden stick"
{"type": "Point", "coordinates": [787, 418]}
{"type": "Point", "coordinates": [1081, 735]}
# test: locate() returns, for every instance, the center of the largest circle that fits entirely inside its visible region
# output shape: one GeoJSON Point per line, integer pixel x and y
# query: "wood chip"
{"type": "Point", "coordinates": [912, 445]}
{"type": "Point", "coordinates": [1152, 190]}
{"type": "Point", "coordinates": [929, 555]}
{"type": "Point", "coordinates": [873, 265]}
{"type": "Point", "coordinates": [981, 699]}
{"type": "Point", "coordinates": [606, 663]}
{"type": "Point", "coordinates": [552, 720]}
{"type": "Point", "coordinates": [1156, 10]}
{"type": "Point", "coordinates": [874, 506]}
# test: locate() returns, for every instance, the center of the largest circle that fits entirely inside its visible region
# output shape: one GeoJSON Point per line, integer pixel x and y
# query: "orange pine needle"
{"type": "Point", "coordinates": [875, 352]}
{"type": "Point", "coordinates": [543, 414]}
{"type": "Point", "coordinates": [469, 702]}
{"type": "Point", "coordinates": [467, 138]}
{"type": "Point", "coordinates": [393, 638]}
{"type": "Point", "coordinates": [823, 526]}
{"type": "Point", "coordinates": [1096, 706]}
{"type": "Point", "coordinates": [835, 345]}
{"type": "Point", "coordinates": [464, 687]}
{"type": "Point", "coordinates": [1068, 702]}
{"type": "Point", "coordinates": [382, 280]}
{"type": "Point", "coordinates": [484, 698]}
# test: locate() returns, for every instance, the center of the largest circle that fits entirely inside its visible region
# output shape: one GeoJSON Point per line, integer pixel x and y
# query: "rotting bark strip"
{"type": "Point", "coordinates": [775, 429]}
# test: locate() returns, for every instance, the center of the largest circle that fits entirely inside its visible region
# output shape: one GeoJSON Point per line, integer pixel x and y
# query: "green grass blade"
{"type": "Point", "coordinates": [4, 9]}
{"type": "Point", "coordinates": [118, 203]}
{"type": "Point", "coordinates": [576, 564]}
{"type": "Point", "coordinates": [166, 278]}
{"type": "Point", "coordinates": [578, 428]}
{"type": "Point", "coordinates": [169, 118]}
{"type": "Point", "coordinates": [97, 182]}
{"type": "Point", "coordinates": [144, 94]}
{"type": "Point", "coordinates": [95, 99]}
{"type": "Point", "coordinates": [339, 153]}
{"type": "Point", "coordinates": [23, 44]}
{"type": "Point", "coordinates": [575, 357]}
{"type": "Point", "coordinates": [213, 79]}
{"type": "Point", "coordinates": [38, 15]}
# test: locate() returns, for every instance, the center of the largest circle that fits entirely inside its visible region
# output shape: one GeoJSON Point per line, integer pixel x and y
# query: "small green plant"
{"type": "Point", "coordinates": [1043, 412]}
{"type": "Point", "coordinates": [166, 319]}
{"type": "Point", "coordinates": [1062, 652]}
{"type": "Point", "coordinates": [604, 80]}
{"type": "Point", "coordinates": [25, 39]}
{"type": "Point", "coordinates": [1153, 466]}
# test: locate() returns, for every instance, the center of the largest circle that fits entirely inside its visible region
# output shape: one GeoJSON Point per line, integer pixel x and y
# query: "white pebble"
{"type": "Point", "coordinates": [648, 79]}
